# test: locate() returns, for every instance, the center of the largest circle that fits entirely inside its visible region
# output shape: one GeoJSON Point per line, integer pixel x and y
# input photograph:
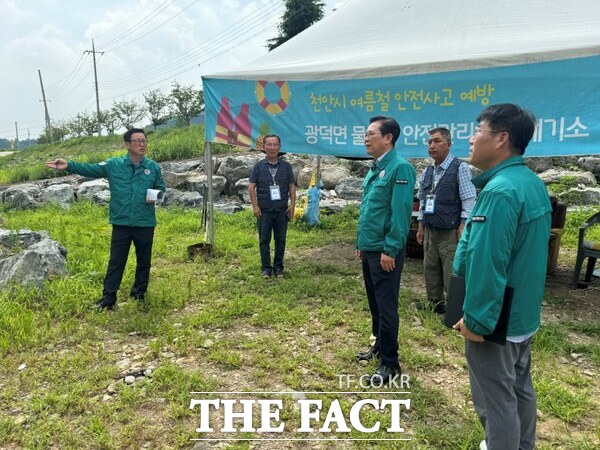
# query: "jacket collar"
{"type": "Point", "coordinates": [483, 178]}
{"type": "Point", "coordinates": [129, 162]}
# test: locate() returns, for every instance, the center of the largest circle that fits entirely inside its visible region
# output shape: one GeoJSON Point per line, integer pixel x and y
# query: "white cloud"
{"type": "Point", "coordinates": [51, 35]}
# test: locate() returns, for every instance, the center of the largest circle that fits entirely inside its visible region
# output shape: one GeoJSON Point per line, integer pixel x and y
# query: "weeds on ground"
{"type": "Point", "coordinates": [215, 325]}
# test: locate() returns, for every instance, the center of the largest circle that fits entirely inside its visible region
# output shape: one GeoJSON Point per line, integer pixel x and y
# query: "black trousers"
{"type": "Point", "coordinates": [122, 237]}
{"type": "Point", "coordinates": [382, 293]}
{"type": "Point", "coordinates": [272, 222]}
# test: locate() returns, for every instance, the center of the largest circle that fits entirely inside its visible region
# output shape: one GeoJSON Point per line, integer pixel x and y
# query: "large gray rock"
{"type": "Point", "coordinates": [335, 205]}
{"type": "Point", "coordinates": [558, 176]}
{"type": "Point", "coordinates": [590, 164]}
{"type": "Point", "coordinates": [63, 194]}
{"type": "Point", "coordinates": [349, 188]}
{"type": "Point", "coordinates": [539, 165]}
{"type": "Point", "coordinates": [229, 207]}
{"type": "Point", "coordinates": [241, 190]}
{"type": "Point", "coordinates": [175, 180]}
{"type": "Point", "coordinates": [581, 196]}
{"type": "Point", "coordinates": [198, 183]}
{"type": "Point", "coordinates": [88, 189]}
{"type": "Point", "coordinates": [181, 166]}
{"type": "Point", "coordinates": [360, 167]}
{"type": "Point", "coordinates": [185, 199]}
{"type": "Point", "coordinates": [10, 239]}
{"type": "Point", "coordinates": [234, 168]}
{"type": "Point", "coordinates": [39, 261]}
{"type": "Point", "coordinates": [297, 166]}
{"type": "Point", "coordinates": [101, 197]}
{"type": "Point", "coordinates": [22, 196]}
{"type": "Point", "coordinates": [331, 175]}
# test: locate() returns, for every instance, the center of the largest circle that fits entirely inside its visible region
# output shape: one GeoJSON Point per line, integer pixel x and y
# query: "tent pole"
{"type": "Point", "coordinates": [208, 169]}
{"type": "Point", "coordinates": [318, 177]}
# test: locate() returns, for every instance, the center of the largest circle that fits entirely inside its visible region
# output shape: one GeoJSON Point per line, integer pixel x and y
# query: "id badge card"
{"type": "Point", "coordinates": [275, 192]}
{"type": "Point", "coordinates": [430, 204]}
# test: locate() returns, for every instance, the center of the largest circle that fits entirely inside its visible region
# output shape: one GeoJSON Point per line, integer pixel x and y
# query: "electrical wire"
{"type": "Point", "coordinates": [138, 25]}
{"type": "Point", "coordinates": [153, 29]}
{"type": "Point", "coordinates": [211, 45]}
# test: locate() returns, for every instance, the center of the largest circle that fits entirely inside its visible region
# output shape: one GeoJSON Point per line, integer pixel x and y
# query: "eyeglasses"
{"type": "Point", "coordinates": [139, 141]}
{"type": "Point", "coordinates": [370, 134]}
{"type": "Point", "coordinates": [479, 131]}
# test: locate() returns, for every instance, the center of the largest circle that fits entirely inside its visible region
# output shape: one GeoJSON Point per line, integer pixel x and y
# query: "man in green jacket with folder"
{"type": "Point", "coordinates": [383, 225]}
{"type": "Point", "coordinates": [503, 248]}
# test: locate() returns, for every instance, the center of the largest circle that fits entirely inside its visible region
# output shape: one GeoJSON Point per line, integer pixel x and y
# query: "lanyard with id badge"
{"type": "Point", "coordinates": [430, 201]}
{"type": "Point", "coordinates": [274, 191]}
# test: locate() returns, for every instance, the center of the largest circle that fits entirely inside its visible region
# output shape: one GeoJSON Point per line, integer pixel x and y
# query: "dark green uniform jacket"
{"type": "Point", "coordinates": [386, 207]}
{"type": "Point", "coordinates": [505, 242]}
{"type": "Point", "coordinates": [128, 185]}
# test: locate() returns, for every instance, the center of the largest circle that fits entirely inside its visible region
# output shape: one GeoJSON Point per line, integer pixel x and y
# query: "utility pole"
{"type": "Point", "coordinates": [17, 133]}
{"type": "Point", "coordinates": [48, 130]}
{"type": "Point", "coordinates": [93, 52]}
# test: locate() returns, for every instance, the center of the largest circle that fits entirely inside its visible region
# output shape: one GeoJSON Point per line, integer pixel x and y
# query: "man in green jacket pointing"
{"type": "Point", "coordinates": [131, 211]}
{"type": "Point", "coordinates": [502, 253]}
{"type": "Point", "coordinates": [383, 226]}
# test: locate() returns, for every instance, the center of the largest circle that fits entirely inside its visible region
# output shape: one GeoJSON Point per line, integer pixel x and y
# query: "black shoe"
{"type": "Point", "coordinates": [138, 297]}
{"type": "Point", "coordinates": [384, 375]}
{"type": "Point", "coordinates": [103, 304]}
{"type": "Point", "coordinates": [266, 274]}
{"type": "Point", "coordinates": [370, 354]}
{"type": "Point", "coordinates": [279, 273]}
{"type": "Point", "coordinates": [439, 308]}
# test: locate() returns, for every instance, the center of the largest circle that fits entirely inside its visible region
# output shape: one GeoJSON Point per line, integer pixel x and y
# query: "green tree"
{"type": "Point", "coordinates": [88, 122]}
{"type": "Point", "coordinates": [56, 133]}
{"type": "Point", "coordinates": [186, 102]}
{"type": "Point", "coordinates": [298, 16]}
{"type": "Point", "coordinates": [109, 120]}
{"type": "Point", "coordinates": [128, 113]}
{"type": "Point", "coordinates": [157, 107]}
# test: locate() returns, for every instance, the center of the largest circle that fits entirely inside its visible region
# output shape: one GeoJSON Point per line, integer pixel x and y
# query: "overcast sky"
{"type": "Point", "coordinates": [146, 44]}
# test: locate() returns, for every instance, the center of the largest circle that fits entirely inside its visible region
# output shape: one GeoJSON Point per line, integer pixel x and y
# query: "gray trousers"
{"type": "Point", "coordinates": [439, 247]}
{"type": "Point", "coordinates": [503, 393]}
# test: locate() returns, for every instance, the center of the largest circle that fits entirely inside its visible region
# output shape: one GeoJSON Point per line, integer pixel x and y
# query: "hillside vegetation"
{"type": "Point", "coordinates": [164, 145]}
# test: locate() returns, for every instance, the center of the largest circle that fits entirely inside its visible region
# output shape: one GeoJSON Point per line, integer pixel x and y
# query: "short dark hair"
{"type": "Point", "coordinates": [271, 136]}
{"type": "Point", "coordinates": [445, 132]}
{"type": "Point", "coordinates": [388, 125]}
{"type": "Point", "coordinates": [517, 122]}
{"type": "Point", "coordinates": [131, 131]}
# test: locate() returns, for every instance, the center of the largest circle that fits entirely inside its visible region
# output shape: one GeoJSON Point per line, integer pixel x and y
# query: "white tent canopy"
{"type": "Point", "coordinates": [428, 63]}
{"type": "Point", "coordinates": [382, 38]}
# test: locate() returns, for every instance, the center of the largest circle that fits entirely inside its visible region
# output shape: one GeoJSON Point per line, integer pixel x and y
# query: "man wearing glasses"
{"type": "Point", "coordinates": [383, 226]}
{"type": "Point", "coordinates": [131, 212]}
{"type": "Point", "coordinates": [502, 256]}
{"type": "Point", "coordinates": [446, 197]}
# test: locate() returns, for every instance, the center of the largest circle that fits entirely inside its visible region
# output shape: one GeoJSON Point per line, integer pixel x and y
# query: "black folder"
{"type": "Point", "coordinates": [455, 300]}
{"type": "Point", "coordinates": [454, 309]}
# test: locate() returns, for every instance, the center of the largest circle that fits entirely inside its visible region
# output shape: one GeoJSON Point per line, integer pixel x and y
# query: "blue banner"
{"type": "Point", "coordinates": [329, 117]}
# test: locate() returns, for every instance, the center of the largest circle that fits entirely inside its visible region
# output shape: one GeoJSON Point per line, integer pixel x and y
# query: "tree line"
{"type": "Point", "coordinates": [182, 104]}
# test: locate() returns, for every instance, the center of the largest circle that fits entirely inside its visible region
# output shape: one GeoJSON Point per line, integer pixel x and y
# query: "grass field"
{"type": "Point", "coordinates": [216, 325]}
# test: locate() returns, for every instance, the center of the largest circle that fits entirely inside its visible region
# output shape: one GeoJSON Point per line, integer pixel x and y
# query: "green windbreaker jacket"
{"type": "Point", "coordinates": [505, 242]}
{"type": "Point", "coordinates": [128, 185]}
{"type": "Point", "coordinates": [386, 207]}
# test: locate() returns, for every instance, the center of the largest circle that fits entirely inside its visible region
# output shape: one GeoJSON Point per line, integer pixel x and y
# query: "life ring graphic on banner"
{"type": "Point", "coordinates": [273, 108]}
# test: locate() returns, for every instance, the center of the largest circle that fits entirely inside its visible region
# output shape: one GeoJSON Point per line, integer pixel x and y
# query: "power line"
{"type": "Point", "coordinates": [212, 44]}
{"type": "Point", "coordinates": [141, 23]}
{"type": "Point", "coordinates": [153, 29]}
